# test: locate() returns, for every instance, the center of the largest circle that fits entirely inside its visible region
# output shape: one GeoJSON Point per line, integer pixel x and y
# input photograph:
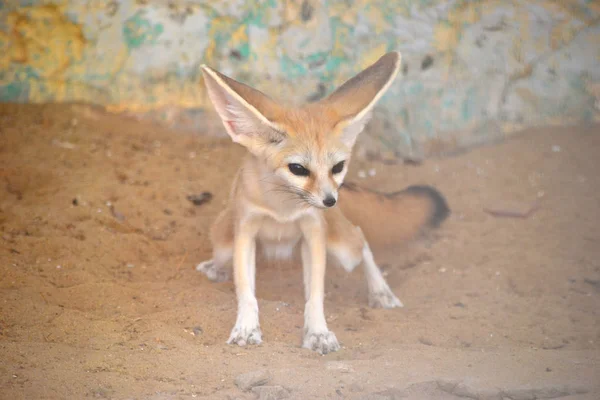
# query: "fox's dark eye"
{"type": "Point", "coordinates": [298, 169]}
{"type": "Point", "coordinates": [337, 168]}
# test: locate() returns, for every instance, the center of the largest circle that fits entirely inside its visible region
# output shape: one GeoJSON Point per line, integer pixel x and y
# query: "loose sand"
{"type": "Point", "coordinates": [99, 297]}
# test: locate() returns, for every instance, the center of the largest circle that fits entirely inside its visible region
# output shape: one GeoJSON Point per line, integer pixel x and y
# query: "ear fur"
{"type": "Point", "coordinates": [244, 111]}
{"type": "Point", "coordinates": [248, 115]}
{"type": "Point", "coordinates": [355, 99]}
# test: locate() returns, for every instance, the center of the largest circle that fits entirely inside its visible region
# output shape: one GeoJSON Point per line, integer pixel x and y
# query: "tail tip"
{"type": "Point", "coordinates": [441, 210]}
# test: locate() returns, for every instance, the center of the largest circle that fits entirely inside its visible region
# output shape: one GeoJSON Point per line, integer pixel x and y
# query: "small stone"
{"type": "Point", "coordinates": [362, 174]}
{"type": "Point", "coordinates": [595, 283]}
{"type": "Point", "coordinates": [271, 392]}
{"type": "Point", "coordinates": [356, 387]}
{"type": "Point", "coordinates": [513, 209]}
{"type": "Point", "coordinates": [199, 199]}
{"type": "Point", "coordinates": [425, 341]}
{"type": "Point", "coordinates": [196, 331]}
{"type": "Point", "coordinates": [251, 379]}
{"type": "Point", "coordinates": [555, 148]}
{"type": "Point", "coordinates": [393, 393]}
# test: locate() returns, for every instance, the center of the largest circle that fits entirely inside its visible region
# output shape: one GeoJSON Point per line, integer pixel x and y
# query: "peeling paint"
{"type": "Point", "coordinates": [467, 65]}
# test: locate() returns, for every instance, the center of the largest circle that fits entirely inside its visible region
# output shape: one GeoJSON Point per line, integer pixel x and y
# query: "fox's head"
{"type": "Point", "coordinates": [308, 148]}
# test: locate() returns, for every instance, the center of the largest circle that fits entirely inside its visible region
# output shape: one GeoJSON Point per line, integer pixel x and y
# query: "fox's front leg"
{"type": "Point", "coordinates": [247, 327]}
{"type": "Point", "coordinates": [317, 336]}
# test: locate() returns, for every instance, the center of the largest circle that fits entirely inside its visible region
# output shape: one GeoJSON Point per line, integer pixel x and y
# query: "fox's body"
{"type": "Point", "coordinates": [283, 196]}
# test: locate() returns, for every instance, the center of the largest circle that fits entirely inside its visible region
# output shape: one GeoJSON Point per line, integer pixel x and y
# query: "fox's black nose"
{"type": "Point", "coordinates": [329, 201]}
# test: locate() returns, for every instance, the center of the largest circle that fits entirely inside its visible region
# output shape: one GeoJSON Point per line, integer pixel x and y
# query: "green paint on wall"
{"type": "Point", "coordinates": [316, 58]}
{"type": "Point", "coordinates": [138, 31]}
{"type": "Point", "coordinates": [292, 69]}
{"type": "Point", "coordinates": [258, 15]}
{"type": "Point", "coordinates": [304, 43]}
{"type": "Point", "coordinates": [415, 105]}
{"type": "Point", "coordinates": [244, 50]}
{"type": "Point", "coordinates": [332, 65]}
{"type": "Point", "coordinates": [469, 105]}
{"type": "Point", "coordinates": [17, 90]}
{"type": "Point", "coordinates": [415, 88]}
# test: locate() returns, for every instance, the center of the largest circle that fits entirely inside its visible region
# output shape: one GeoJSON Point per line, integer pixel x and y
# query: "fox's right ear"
{"type": "Point", "coordinates": [245, 112]}
{"type": "Point", "coordinates": [353, 102]}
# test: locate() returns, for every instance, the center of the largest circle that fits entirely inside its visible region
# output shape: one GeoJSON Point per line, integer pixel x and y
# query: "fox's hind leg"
{"type": "Point", "coordinates": [218, 268]}
{"type": "Point", "coordinates": [348, 245]}
{"type": "Point", "coordinates": [380, 294]}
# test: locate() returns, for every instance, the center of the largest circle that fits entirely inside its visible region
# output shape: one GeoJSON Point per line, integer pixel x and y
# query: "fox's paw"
{"type": "Point", "coordinates": [213, 272]}
{"type": "Point", "coordinates": [322, 343]}
{"type": "Point", "coordinates": [245, 335]}
{"type": "Point", "coordinates": [384, 299]}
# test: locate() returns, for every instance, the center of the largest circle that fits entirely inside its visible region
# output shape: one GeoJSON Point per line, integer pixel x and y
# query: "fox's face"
{"type": "Point", "coordinates": [307, 148]}
{"type": "Point", "coordinates": [310, 161]}
{"type": "Point", "coordinates": [314, 176]}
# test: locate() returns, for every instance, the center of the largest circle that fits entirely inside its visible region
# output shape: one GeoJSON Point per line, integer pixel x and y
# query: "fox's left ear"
{"type": "Point", "coordinates": [246, 113]}
{"type": "Point", "coordinates": [353, 101]}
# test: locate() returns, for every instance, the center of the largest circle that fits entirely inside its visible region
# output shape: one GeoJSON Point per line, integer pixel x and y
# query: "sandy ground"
{"type": "Point", "coordinates": [99, 297]}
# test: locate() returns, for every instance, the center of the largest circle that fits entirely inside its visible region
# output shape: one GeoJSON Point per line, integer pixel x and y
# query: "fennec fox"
{"type": "Point", "coordinates": [284, 194]}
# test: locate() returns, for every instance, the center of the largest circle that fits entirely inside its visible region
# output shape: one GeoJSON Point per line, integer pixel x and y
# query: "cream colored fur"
{"type": "Point", "coordinates": [280, 211]}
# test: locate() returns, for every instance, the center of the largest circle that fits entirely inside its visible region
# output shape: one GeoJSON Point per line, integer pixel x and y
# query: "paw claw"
{"type": "Point", "coordinates": [243, 337]}
{"type": "Point", "coordinates": [384, 299]}
{"type": "Point", "coordinates": [322, 343]}
{"type": "Point", "coordinates": [212, 272]}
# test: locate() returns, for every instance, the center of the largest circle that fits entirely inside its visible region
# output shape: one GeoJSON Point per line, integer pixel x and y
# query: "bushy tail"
{"type": "Point", "coordinates": [390, 218]}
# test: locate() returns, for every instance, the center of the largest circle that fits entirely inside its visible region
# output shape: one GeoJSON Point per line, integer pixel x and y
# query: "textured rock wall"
{"type": "Point", "coordinates": [473, 70]}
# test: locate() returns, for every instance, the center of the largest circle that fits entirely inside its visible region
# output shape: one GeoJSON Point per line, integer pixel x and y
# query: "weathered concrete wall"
{"type": "Point", "coordinates": [473, 70]}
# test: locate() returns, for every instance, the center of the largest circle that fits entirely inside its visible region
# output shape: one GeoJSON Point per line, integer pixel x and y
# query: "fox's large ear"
{"type": "Point", "coordinates": [246, 112]}
{"type": "Point", "coordinates": [354, 100]}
